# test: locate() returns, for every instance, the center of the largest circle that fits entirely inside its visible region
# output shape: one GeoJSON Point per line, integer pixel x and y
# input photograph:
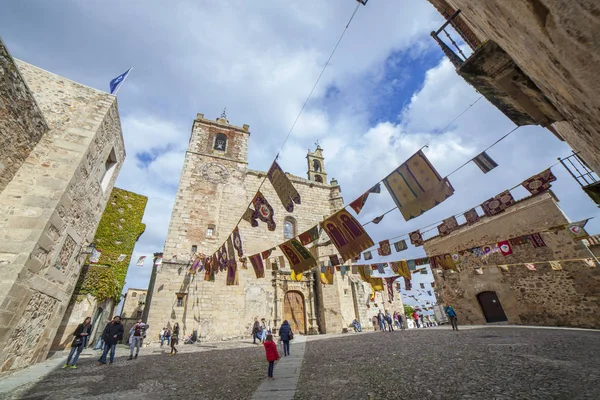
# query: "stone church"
{"type": "Point", "coordinates": [215, 188]}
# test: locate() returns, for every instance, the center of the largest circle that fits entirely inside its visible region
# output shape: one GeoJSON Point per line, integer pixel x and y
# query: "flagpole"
{"type": "Point", "coordinates": [122, 82]}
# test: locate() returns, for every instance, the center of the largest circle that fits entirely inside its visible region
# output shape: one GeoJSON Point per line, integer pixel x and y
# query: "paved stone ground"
{"type": "Point", "coordinates": [488, 363]}
{"type": "Point", "coordinates": [436, 363]}
{"type": "Point", "coordinates": [196, 372]}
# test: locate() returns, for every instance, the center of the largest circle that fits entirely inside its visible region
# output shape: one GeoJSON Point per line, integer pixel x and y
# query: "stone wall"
{"type": "Point", "coordinates": [215, 189]}
{"type": "Point", "coordinates": [22, 123]}
{"type": "Point", "coordinates": [567, 297]}
{"type": "Point", "coordinates": [51, 208]}
{"type": "Point", "coordinates": [556, 43]}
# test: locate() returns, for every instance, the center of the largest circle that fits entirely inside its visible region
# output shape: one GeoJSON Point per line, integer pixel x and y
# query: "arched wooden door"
{"type": "Point", "coordinates": [293, 311]}
{"type": "Point", "coordinates": [492, 309]}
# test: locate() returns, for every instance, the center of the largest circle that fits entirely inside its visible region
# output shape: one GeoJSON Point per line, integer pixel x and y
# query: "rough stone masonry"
{"type": "Point", "coordinates": [60, 172]}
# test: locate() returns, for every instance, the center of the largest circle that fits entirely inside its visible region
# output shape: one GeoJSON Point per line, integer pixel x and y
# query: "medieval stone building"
{"type": "Point", "coordinates": [534, 60]}
{"type": "Point", "coordinates": [61, 148]}
{"type": "Point", "coordinates": [215, 189]}
{"type": "Point", "coordinates": [481, 291]}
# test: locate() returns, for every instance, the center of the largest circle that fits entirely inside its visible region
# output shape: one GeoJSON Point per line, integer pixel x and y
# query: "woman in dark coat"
{"type": "Point", "coordinates": [79, 342]}
{"type": "Point", "coordinates": [286, 334]}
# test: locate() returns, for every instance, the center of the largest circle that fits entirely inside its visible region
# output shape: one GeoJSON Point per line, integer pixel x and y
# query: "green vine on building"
{"type": "Point", "coordinates": [119, 229]}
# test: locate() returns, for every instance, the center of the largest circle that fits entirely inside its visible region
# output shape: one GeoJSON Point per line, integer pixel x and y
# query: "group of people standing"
{"type": "Point", "coordinates": [171, 337]}
{"type": "Point", "coordinates": [387, 322]}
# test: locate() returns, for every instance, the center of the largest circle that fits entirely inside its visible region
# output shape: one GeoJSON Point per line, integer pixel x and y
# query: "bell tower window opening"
{"type": "Point", "coordinates": [316, 165]}
{"type": "Point", "coordinates": [289, 228]}
{"type": "Point", "coordinates": [318, 178]}
{"type": "Point", "coordinates": [220, 142]}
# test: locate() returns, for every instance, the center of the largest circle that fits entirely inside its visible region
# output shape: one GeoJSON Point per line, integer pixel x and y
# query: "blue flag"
{"type": "Point", "coordinates": [114, 84]}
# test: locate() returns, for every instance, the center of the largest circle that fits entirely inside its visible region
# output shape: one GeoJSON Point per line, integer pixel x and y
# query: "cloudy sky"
{"type": "Point", "coordinates": [386, 92]}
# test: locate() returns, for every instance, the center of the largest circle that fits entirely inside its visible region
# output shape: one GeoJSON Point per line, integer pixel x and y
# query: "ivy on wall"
{"type": "Point", "coordinates": [119, 229]}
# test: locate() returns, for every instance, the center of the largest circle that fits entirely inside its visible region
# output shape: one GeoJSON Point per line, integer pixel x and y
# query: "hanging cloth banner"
{"type": "Point", "coordinates": [265, 254]}
{"type": "Point", "coordinates": [416, 187]}
{"type": "Point", "coordinates": [407, 284]}
{"type": "Point", "coordinates": [94, 257]}
{"type": "Point", "coordinates": [384, 248]}
{"type": "Point", "coordinates": [209, 275]}
{"type": "Point", "coordinates": [248, 216]}
{"type": "Point", "coordinates": [299, 257]}
{"type": "Point", "coordinates": [577, 230]}
{"type": "Point", "coordinates": [310, 235]}
{"type": "Point", "coordinates": [442, 261]}
{"type": "Point", "coordinates": [389, 282]}
{"type": "Point", "coordinates": [244, 261]}
{"type": "Point", "coordinates": [377, 284]}
{"type": "Point", "coordinates": [505, 248]}
{"type": "Point", "coordinates": [449, 225]}
{"type": "Point", "coordinates": [485, 162]}
{"type": "Point", "coordinates": [539, 183]}
{"type": "Point", "coordinates": [378, 219]}
{"type": "Point", "coordinates": [237, 241]}
{"type": "Point", "coordinates": [215, 263]}
{"type": "Point", "coordinates": [223, 258]}
{"type": "Point", "coordinates": [285, 190]}
{"type": "Point", "coordinates": [140, 261]}
{"type": "Point", "coordinates": [518, 241]}
{"type": "Point", "coordinates": [232, 275]}
{"type": "Point", "coordinates": [555, 265]}
{"type": "Point", "coordinates": [536, 240]}
{"type": "Point", "coordinates": [343, 270]}
{"type": "Point", "coordinates": [262, 211]}
{"type": "Point", "coordinates": [530, 267]}
{"type": "Point", "coordinates": [347, 235]}
{"type": "Point", "coordinates": [400, 246]}
{"type": "Point", "coordinates": [471, 216]}
{"type": "Point", "coordinates": [355, 269]}
{"type": "Point", "coordinates": [416, 239]}
{"type": "Point", "coordinates": [231, 253]}
{"type": "Point", "coordinates": [326, 276]}
{"type": "Point", "coordinates": [498, 203]}
{"type": "Point", "coordinates": [367, 255]}
{"type": "Point", "coordinates": [257, 264]}
{"type": "Point", "coordinates": [365, 272]}
{"type": "Point", "coordinates": [296, 277]}
{"type": "Point", "coordinates": [359, 203]}
{"type": "Point", "coordinates": [403, 269]}
{"type": "Point", "coordinates": [334, 259]}
{"type": "Point", "coordinates": [381, 267]}
{"type": "Point", "coordinates": [394, 266]}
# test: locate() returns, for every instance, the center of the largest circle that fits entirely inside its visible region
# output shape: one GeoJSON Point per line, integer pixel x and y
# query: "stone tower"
{"type": "Point", "coordinates": [316, 165]}
{"type": "Point", "coordinates": [212, 176]}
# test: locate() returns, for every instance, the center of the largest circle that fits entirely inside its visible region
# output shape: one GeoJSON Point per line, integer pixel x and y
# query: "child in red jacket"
{"type": "Point", "coordinates": [272, 354]}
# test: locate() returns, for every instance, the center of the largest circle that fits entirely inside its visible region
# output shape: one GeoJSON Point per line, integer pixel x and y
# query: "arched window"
{"type": "Point", "coordinates": [289, 228]}
{"type": "Point", "coordinates": [319, 178]}
{"type": "Point", "coordinates": [316, 165]}
{"type": "Point", "coordinates": [221, 142]}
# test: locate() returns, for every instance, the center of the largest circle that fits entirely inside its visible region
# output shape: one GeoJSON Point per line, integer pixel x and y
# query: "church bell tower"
{"type": "Point", "coordinates": [316, 165]}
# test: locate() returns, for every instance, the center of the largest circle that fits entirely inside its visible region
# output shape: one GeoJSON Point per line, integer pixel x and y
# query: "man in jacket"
{"type": "Point", "coordinates": [113, 332]}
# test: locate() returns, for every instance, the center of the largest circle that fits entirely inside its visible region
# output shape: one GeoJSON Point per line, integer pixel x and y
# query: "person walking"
{"type": "Point", "coordinates": [272, 354]}
{"type": "Point", "coordinates": [264, 329]}
{"type": "Point", "coordinates": [168, 336]}
{"type": "Point", "coordinates": [161, 336]}
{"type": "Point", "coordinates": [79, 343]}
{"type": "Point", "coordinates": [137, 338]}
{"type": "Point", "coordinates": [389, 321]}
{"type": "Point", "coordinates": [174, 339]}
{"type": "Point", "coordinates": [422, 318]}
{"type": "Point", "coordinates": [401, 321]}
{"type": "Point", "coordinates": [255, 330]}
{"type": "Point", "coordinates": [113, 332]}
{"type": "Point", "coordinates": [286, 334]}
{"type": "Point", "coordinates": [381, 321]}
{"type": "Point", "coordinates": [416, 318]}
{"type": "Point", "coordinates": [451, 316]}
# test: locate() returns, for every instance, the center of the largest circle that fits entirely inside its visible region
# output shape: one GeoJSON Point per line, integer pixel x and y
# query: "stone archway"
{"type": "Point", "coordinates": [491, 307]}
{"type": "Point", "coordinates": [294, 311]}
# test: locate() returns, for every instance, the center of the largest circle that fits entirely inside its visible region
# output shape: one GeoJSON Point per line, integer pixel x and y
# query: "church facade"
{"type": "Point", "coordinates": [215, 189]}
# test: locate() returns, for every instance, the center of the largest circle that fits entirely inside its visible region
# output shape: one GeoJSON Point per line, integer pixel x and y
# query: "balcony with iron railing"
{"type": "Point", "coordinates": [582, 173]}
{"type": "Point", "coordinates": [494, 74]}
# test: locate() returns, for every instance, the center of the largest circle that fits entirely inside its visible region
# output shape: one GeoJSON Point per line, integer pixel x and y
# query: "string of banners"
{"type": "Point", "coordinates": [415, 186]}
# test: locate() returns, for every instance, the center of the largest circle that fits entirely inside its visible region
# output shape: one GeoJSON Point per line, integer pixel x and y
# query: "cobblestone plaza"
{"type": "Point", "coordinates": [500, 362]}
